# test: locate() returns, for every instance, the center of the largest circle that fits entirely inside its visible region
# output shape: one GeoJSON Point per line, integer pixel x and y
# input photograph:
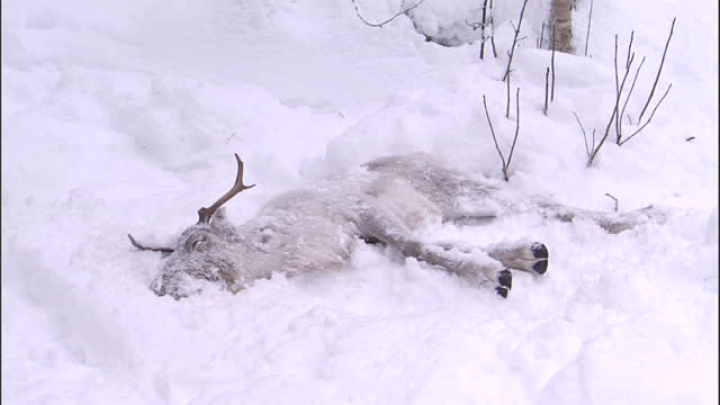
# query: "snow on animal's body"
{"type": "Point", "coordinates": [317, 228]}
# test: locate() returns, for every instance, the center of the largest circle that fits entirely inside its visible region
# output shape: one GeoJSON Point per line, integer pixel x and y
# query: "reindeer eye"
{"type": "Point", "coordinates": [199, 242]}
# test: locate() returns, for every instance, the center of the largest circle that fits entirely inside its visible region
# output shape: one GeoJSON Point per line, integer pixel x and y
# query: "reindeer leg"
{"type": "Point", "coordinates": [526, 256]}
{"type": "Point", "coordinates": [478, 270]}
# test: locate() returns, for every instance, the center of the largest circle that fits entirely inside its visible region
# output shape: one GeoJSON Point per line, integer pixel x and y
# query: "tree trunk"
{"type": "Point", "coordinates": [561, 25]}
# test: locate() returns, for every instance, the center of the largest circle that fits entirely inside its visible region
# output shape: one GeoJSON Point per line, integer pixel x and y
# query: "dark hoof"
{"type": "Point", "coordinates": [539, 250]}
{"type": "Point", "coordinates": [502, 291]}
{"type": "Point", "coordinates": [540, 267]}
{"type": "Point", "coordinates": [505, 279]}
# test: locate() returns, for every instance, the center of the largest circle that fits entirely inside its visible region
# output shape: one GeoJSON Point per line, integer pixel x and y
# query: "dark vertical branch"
{"type": "Point", "coordinates": [587, 35]}
{"type": "Point", "coordinates": [507, 105]}
{"type": "Point", "coordinates": [482, 32]}
{"type": "Point", "coordinates": [542, 32]}
{"type": "Point", "coordinates": [492, 27]}
{"type": "Point", "coordinates": [628, 64]}
{"type": "Point", "coordinates": [552, 67]}
{"type": "Point", "coordinates": [505, 164]}
{"type": "Point", "coordinates": [627, 58]}
{"type": "Point", "coordinates": [547, 91]}
{"type": "Point", "coordinates": [492, 132]}
{"type": "Point", "coordinates": [627, 99]}
{"type": "Point", "coordinates": [517, 131]}
{"type": "Point", "coordinates": [662, 62]}
{"type": "Point", "coordinates": [512, 49]}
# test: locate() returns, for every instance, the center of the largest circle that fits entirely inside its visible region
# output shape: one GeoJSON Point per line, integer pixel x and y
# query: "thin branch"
{"type": "Point", "coordinates": [542, 33]}
{"type": "Point", "coordinates": [491, 24]}
{"type": "Point", "coordinates": [622, 111]}
{"type": "Point", "coordinates": [617, 76]}
{"type": "Point", "coordinates": [517, 131]}
{"type": "Point", "coordinates": [381, 24]}
{"type": "Point", "coordinates": [588, 150]}
{"type": "Point", "coordinates": [587, 35]}
{"type": "Point", "coordinates": [507, 107]}
{"type": "Point", "coordinates": [614, 199]}
{"type": "Point", "coordinates": [652, 114]}
{"type": "Point", "coordinates": [484, 22]}
{"type": "Point", "coordinates": [619, 87]}
{"type": "Point", "coordinates": [657, 78]}
{"type": "Point", "coordinates": [627, 58]}
{"type": "Point", "coordinates": [492, 131]}
{"type": "Point", "coordinates": [517, 33]}
{"type": "Point", "coordinates": [547, 86]}
{"type": "Point", "coordinates": [552, 68]}
{"type": "Point", "coordinates": [615, 108]}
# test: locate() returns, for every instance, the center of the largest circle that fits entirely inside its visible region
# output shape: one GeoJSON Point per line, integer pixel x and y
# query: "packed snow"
{"type": "Point", "coordinates": [123, 116]}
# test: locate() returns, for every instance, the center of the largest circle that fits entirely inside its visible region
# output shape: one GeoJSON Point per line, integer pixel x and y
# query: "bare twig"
{"type": "Point", "coordinates": [507, 106]}
{"type": "Point", "coordinates": [482, 33]}
{"type": "Point", "coordinates": [517, 131]}
{"type": "Point", "coordinates": [491, 24]}
{"type": "Point", "coordinates": [588, 149]}
{"type": "Point", "coordinates": [492, 132]}
{"type": "Point", "coordinates": [383, 23]}
{"type": "Point", "coordinates": [552, 67]}
{"type": "Point", "coordinates": [652, 114]}
{"type": "Point", "coordinates": [505, 164]}
{"type": "Point", "coordinates": [627, 58]}
{"type": "Point", "coordinates": [542, 33]}
{"type": "Point", "coordinates": [614, 199]}
{"type": "Point", "coordinates": [587, 35]}
{"type": "Point", "coordinates": [615, 110]}
{"type": "Point", "coordinates": [547, 91]}
{"type": "Point", "coordinates": [515, 39]}
{"type": "Point", "coordinates": [657, 78]}
{"type": "Point", "coordinates": [627, 99]}
{"type": "Point", "coordinates": [618, 94]}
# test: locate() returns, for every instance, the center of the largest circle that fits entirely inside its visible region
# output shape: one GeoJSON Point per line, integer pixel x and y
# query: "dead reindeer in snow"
{"type": "Point", "coordinates": [385, 202]}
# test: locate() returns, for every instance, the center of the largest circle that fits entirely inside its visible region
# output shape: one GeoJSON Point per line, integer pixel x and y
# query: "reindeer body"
{"type": "Point", "coordinates": [387, 201]}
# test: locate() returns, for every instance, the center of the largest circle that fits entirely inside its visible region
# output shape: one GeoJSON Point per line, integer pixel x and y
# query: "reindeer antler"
{"type": "Point", "coordinates": [150, 248]}
{"type": "Point", "coordinates": [204, 214]}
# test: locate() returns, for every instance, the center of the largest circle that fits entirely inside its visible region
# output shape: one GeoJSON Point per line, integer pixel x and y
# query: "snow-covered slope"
{"type": "Point", "coordinates": [122, 116]}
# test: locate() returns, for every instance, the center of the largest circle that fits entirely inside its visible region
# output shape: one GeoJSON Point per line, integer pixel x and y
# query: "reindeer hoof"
{"type": "Point", "coordinates": [539, 250]}
{"type": "Point", "coordinates": [502, 291]}
{"type": "Point", "coordinates": [505, 279]}
{"type": "Point", "coordinates": [540, 267]}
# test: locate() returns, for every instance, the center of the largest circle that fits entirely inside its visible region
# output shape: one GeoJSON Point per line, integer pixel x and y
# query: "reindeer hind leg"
{"type": "Point", "coordinates": [527, 256]}
{"type": "Point", "coordinates": [376, 227]}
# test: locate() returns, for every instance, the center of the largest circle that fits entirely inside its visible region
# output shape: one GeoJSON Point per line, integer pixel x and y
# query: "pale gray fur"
{"type": "Point", "coordinates": [386, 201]}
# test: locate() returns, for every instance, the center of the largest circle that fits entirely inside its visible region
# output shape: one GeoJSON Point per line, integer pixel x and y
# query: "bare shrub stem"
{"type": "Point", "coordinates": [505, 164]}
{"type": "Point", "coordinates": [657, 77]}
{"type": "Point", "coordinates": [587, 34]}
{"type": "Point", "coordinates": [515, 39]}
{"type": "Point", "coordinates": [383, 23]}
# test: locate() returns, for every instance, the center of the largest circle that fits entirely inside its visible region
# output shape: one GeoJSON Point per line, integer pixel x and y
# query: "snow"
{"type": "Point", "coordinates": [122, 116]}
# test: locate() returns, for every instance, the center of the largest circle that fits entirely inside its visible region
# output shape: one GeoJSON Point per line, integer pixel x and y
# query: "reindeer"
{"type": "Point", "coordinates": [385, 202]}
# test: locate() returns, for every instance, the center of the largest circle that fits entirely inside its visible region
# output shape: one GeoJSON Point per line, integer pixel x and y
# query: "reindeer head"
{"type": "Point", "coordinates": [203, 251]}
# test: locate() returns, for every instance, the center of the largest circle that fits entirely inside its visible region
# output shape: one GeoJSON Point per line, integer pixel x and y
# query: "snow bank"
{"type": "Point", "coordinates": [123, 116]}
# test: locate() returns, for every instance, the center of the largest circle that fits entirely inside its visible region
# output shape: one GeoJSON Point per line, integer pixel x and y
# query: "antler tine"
{"type": "Point", "coordinates": [150, 248]}
{"type": "Point", "coordinates": [204, 214]}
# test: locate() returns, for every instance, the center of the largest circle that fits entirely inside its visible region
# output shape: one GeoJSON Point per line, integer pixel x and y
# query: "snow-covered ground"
{"type": "Point", "coordinates": [122, 116]}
